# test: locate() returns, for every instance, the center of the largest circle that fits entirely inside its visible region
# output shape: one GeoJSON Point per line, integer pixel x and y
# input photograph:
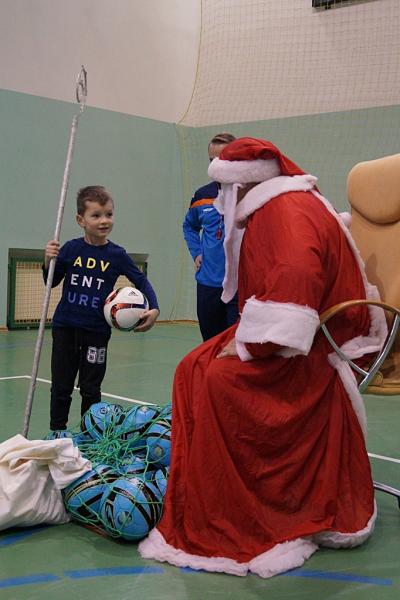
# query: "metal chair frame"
{"type": "Point", "coordinates": [367, 376]}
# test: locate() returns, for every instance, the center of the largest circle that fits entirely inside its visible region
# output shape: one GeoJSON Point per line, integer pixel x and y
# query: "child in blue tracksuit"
{"type": "Point", "coordinates": [203, 230]}
{"type": "Point", "coordinates": [89, 266]}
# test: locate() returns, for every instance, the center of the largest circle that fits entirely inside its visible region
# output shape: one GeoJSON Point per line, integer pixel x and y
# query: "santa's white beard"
{"type": "Point", "coordinates": [226, 205]}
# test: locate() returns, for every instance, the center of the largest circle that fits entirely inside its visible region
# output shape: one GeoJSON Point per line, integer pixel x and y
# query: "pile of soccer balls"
{"type": "Point", "coordinates": [130, 453]}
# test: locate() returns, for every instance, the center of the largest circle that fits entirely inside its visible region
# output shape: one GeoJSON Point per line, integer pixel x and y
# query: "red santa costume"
{"type": "Point", "coordinates": [268, 450]}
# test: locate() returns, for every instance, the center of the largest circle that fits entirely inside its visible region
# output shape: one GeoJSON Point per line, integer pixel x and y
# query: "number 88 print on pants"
{"type": "Point", "coordinates": [76, 351]}
{"type": "Point", "coordinates": [96, 355]}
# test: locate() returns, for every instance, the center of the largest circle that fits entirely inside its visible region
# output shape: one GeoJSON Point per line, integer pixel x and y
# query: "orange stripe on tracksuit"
{"type": "Point", "coordinates": [209, 201]}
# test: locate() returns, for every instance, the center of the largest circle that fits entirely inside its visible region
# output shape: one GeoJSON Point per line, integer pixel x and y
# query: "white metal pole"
{"type": "Point", "coordinates": [81, 93]}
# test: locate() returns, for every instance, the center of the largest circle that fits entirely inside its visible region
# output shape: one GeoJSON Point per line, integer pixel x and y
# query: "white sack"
{"type": "Point", "coordinates": [32, 473]}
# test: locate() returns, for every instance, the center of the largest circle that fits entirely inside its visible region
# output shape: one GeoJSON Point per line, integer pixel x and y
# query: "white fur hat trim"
{"type": "Point", "coordinates": [243, 171]}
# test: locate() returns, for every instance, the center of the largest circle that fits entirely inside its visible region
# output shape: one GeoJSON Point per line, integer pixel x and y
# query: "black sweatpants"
{"type": "Point", "coordinates": [76, 351]}
{"type": "Point", "coordinates": [214, 315]}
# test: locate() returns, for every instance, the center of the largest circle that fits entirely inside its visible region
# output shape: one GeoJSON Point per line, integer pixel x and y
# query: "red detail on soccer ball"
{"type": "Point", "coordinates": [113, 294]}
{"type": "Point", "coordinates": [123, 308]}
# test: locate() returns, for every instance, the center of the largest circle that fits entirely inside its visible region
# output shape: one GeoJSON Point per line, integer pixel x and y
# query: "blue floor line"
{"type": "Point", "coordinates": [325, 575]}
{"type": "Point", "coordinates": [112, 571]}
{"type": "Point", "coordinates": [350, 577]}
{"type": "Point", "coordinates": [117, 571]}
{"type": "Point", "coordinates": [28, 579]}
{"type": "Point", "coordinates": [14, 538]}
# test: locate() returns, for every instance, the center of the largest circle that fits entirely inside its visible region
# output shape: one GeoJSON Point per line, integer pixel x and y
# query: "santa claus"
{"type": "Point", "coordinates": [268, 430]}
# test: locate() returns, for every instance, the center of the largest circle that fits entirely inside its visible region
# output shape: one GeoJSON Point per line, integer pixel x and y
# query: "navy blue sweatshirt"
{"type": "Point", "coordinates": [89, 274]}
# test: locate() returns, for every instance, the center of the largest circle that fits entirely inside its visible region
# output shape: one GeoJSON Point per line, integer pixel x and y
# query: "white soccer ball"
{"type": "Point", "coordinates": [124, 308]}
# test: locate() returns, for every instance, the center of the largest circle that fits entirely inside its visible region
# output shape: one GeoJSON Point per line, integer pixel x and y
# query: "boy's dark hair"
{"type": "Point", "coordinates": [222, 138]}
{"type": "Point", "coordinates": [92, 193]}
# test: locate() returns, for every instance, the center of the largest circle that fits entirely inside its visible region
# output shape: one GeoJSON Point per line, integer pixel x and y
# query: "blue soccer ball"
{"type": "Point", "coordinates": [158, 439]}
{"type": "Point", "coordinates": [100, 417]}
{"type": "Point", "coordinates": [81, 439]}
{"type": "Point", "coordinates": [82, 497]}
{"type": "Point", "coordinates": [145, 415]}
{"type": "Point", "coordinates": [166, 412]}
{"type": "Point", "coordinates": [135, 467]}
{"type": "Point", "coordinates": [159, 478]}
{"type": "Point", "coordinates": [132, 427]}
{"type": "Point", "coordinates": [130, 508]}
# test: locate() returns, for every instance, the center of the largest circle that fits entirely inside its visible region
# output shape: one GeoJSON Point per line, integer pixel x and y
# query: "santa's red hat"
{"type": "Point", "coordinates": [247, 160]}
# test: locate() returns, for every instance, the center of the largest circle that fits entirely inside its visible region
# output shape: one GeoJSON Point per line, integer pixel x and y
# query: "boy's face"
{"type": "Point", "coordinates": [97, 221]}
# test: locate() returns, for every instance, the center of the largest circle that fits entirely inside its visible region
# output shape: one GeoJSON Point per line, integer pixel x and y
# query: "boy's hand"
{"type": "Point", "coordinates": [52, 250]}
{"type": "Point", "coordinates": [197, 262]}
{"type": "Point", "coordinates": [148, 319]}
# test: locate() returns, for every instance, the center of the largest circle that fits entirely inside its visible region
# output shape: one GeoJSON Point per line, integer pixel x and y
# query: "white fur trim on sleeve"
{"type": "Point", "coordinates": [289, 325]}
{"type": "Point", "coordinates": [242, 351]}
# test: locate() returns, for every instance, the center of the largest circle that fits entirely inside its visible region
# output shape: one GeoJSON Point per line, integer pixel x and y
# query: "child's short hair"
{"type": "Point", "coordinates": [92, 193]}
{"type": "Point", "coordinates": [222, 138]}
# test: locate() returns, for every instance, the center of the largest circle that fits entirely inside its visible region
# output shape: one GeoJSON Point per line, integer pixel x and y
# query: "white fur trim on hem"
{"type": "Point", "coordinates": [281, 558]}
{"type": "Point", "coordinates": [357, 347]}
{"type": "Point", "coordinates": [350, 385]}
{"type": "Point", "coordinates": [336, 539]}
{"type": "Point", "coordinates": [155, 546]}
{"type": "Point", "coordinates": [354, 349]}
{"type": "Point", "coordinates": [289, 325]}
{"type": "Point", "coordinates": [371, 291]}
{"type": "Point", "coordinates": [360, 345]}
{"type": "Point", "coordinates": [243, 171]}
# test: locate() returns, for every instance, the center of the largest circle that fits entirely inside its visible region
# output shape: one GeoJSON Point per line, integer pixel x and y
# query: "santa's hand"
{"type": "Point", "coordinates": [228, 350]}
{"type": "Point", "coordinates": [148, 319]}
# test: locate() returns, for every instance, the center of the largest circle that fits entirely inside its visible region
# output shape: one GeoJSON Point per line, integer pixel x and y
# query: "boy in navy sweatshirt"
{"type": "Point", "coordinates": [90, 266]}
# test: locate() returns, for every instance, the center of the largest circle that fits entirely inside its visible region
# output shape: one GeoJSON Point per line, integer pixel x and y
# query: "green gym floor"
{"type": "Point", "coordinates": [69, 560]}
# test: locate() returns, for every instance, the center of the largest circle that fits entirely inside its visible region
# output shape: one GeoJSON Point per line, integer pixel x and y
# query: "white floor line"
{"type": "Point", "coordinates": [388, 458]}
{"type": "Point", "coordinates": [128, 399]}
{"type": "Point", "coordinates": [114, 396]}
